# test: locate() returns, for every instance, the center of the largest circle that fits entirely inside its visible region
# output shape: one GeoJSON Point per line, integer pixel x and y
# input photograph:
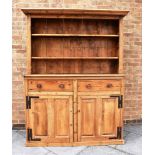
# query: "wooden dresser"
{"type": "Point", "coordinates": [74, 81]}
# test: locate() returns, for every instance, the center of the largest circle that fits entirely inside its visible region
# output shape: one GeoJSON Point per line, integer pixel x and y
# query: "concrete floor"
{"type": "Point", "coordinates": [132, 136]}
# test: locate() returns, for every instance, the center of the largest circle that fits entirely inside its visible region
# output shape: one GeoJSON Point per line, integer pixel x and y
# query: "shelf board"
{"type": "Point", "coordinates": [75, 35]}
{"type": "Point", "coordinates": [74, 75]}
{"type": "Point", "coordinates": [74, 58]}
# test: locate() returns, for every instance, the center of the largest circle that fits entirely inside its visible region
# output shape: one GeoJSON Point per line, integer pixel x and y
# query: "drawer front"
{"type": "Point", "coordinates": [50, 85]}
{"type": "Point", "coordinates": [99, 85]}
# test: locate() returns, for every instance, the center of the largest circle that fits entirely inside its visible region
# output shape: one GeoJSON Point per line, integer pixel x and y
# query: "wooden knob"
{"type": "Point", "coordinates": [88, 86]}
{"type": "Point", "coordinates": [61, 86]}
{"type": "Point", "coordinates": [39, 86]}
{"type": "Point", "coordinates": [109, 85]}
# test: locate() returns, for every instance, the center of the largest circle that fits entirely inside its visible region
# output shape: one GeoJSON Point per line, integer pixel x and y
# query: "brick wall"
{"type": "Point", "coordinates": [132, 49]}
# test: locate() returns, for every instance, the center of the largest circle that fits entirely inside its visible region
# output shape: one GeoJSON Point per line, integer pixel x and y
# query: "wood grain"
{"type": "Point", "coordinates": [28, 45]}
{"type": "Point", "coordinates": [98, 85]}
{"type": "Point", "coordinates": [51, 119]}
{"type": "Point", "coordinates": [46, 11]}
{"type": "Point", "coordinates": [121, 46]}
{"type": "Point", "coordinates": [50, 85]}
{"type": "Point", "coordinates": [98, 117]}
{"type": "Point", "coordinates": [74, 66]}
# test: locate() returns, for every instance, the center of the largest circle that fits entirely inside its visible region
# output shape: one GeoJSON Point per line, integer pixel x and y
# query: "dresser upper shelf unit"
{"type": "Point", "coordinates": [74, 41]}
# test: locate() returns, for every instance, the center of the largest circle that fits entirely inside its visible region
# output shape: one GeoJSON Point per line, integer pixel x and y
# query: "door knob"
{"type": "Point", "coordinates": [39, 85]}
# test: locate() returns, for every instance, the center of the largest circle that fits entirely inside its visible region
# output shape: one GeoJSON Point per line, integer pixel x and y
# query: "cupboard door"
{"type": "Point", "coordinates": [98, 118]}
{"type": "Point", "coordinates": [109, 115]}
{"type": "Point", "coordinates": [50, 118]}
{"type": "Point", "coordinates": [86, 117]}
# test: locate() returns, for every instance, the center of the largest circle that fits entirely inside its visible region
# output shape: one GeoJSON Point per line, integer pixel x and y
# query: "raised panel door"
{"type": "Point", "coordinates": [50, 118]}
{"type": "Point", "coordinates": [98, 118]}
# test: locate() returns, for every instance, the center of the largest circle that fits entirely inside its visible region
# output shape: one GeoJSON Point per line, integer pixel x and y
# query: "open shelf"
{"type": "Point", "coordinates": [82, 47]}
{"type": "Point", "coordinates": [72, 66]}
{"type": "Point", "coordinates": [74, 46]}
{"type": "Point", "coordinates": [72, 58]}
{"type": "Point", "coordinates": [74, 27]}
{"type": "Point", "coordinates": [74, 35]}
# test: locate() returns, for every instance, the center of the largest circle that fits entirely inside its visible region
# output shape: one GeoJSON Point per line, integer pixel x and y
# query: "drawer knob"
{"type": "Point", "coordinates": [39, 86]}
{"type": "Point", "coordinates": [61, 86]}
{"type": "Point", "coordinates": [88, 86]}
{"type": "Point", "coordinates": [109, 85]}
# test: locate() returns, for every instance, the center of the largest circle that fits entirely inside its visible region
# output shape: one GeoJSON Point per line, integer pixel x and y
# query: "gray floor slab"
{"type": "Point", "coordinates": [15, 136]}
{"type": "Point", "coordinates": [18, 147]}
{"type": "Point", "coordinates": [22, 132]}
{"type": "Point", "coordinates": [50, 153]}
{"type": "Point", "coordinates": [134, 128]}
{"type": "Point", "coordinates": [101, 150]}
{"type": "Point", "coordinates": [66, 150]}
{"type": "Point", "coordinates": [132, 146]}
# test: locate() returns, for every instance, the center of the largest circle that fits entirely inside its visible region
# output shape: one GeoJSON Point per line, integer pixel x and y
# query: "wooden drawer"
{"type": "Point", "coordinates": [50, 85]}
{"type": "Point", "coordinates": [99, 85]}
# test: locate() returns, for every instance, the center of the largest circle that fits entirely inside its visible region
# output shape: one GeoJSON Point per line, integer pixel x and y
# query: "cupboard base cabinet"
{"type": "Point", "coordinates": [73, 112]}
{"type": "Point", "coordinates": [74, 78]}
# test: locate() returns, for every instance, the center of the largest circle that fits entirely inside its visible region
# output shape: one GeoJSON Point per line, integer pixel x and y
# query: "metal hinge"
{"type": "Point", "coordinates": [29, 136]}
{"type": "Point", "coordinates": [119, 133]}
{"type": "Point", "coordinates": [120, 100]}
{"type": "Point", "coordinates": [28, 101]}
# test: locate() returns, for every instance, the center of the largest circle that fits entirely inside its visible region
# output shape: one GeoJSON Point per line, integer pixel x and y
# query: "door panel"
{"type": "Point", "coordinates": [51, 118]}
{"type": "Point", "coordinates": [110, 117]}
{"type": "Point", "coordinates": [98, 117]}
{"type": "Point", "coordinates": [40, 120]}
{"type": "Point", "coordinates": [88, 117]}
{"type": "Point", "coordinates": [61, 112]}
